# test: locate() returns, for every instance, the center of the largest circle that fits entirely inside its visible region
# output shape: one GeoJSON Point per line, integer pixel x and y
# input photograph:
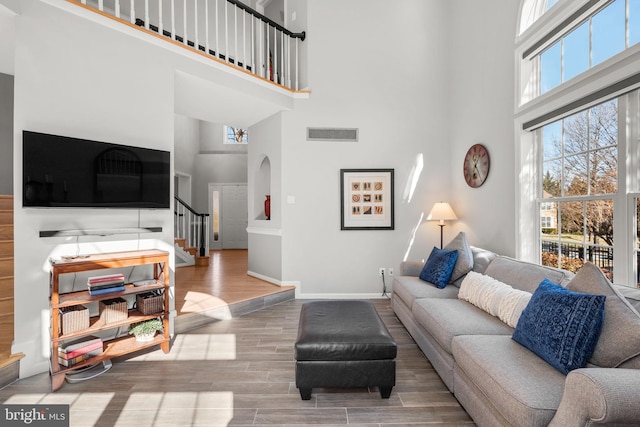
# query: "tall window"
{"type": "Point", "coordinates": [578, 143]}
{"type": "Point", "coordinates": [579, 179]}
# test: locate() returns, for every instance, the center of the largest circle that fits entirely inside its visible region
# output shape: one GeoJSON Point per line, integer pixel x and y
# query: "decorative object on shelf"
{"type": "Point", "coordinates": [442, 212]}
{"type": "Point", "coordinates": [150, 302]}
{"type": "Point", "coordinates": [74, 318]}
{"type": "Point", "coordinates": [145, 331]}
{"type": "Point", "coordinates": [476, 165]}
{"type": "Point", "coordinates": [267, 206]}
{"type": "Point", "coordinates": [366, 199]}
{"type": "Point", "coordinates": [113, 310]}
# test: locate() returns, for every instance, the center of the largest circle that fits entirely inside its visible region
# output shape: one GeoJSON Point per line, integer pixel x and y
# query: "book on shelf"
{"type": "Point", "coordinates": [75, 360]}
{"type": "Point", "coordinates": [105, 278]}
{"type": "Point", "coordinates": [105, 285]}
{"type": "Point", "coordinates": [80, 351]}
{"type": "Point", "coordinates": [106, 290]}
{"type": "Point", "coordinates": [78, 343]}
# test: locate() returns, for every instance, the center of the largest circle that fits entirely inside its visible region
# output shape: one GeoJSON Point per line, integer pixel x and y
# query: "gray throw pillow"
{"type": "Point", "coordinates": [620, 337]}
{"type": "Point", "coordinates": [464, 264]}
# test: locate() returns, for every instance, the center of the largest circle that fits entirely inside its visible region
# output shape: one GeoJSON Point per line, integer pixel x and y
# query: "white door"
{"type": "Point", "coordinates": [229, 216]}
{"type": "Point", "coordinates": [235, 217]}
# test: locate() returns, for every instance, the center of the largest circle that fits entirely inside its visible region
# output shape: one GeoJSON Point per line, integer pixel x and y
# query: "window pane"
{"type": "Point", "coordinates": [603, 129]}
{"type": "Point", "coordinates": [608, 32]}
{"type": "Point", "coordinates": [576, 133]}
{"type": "Point", "coordinates": [551, 178]}
{"type": "Point", "coordinates": [215, 217]}
{"type": "Point", "coordinates": [576, 52]}
{"type": "Point", "coordinates": [552, 140]}
{"type": "Point", "coordinates": [604, 175]}
{"type": "Point", "coordinates": [634, 22]}
{"type": "Point", "coordinates": [550, 68]}
{"type": "Point", "coordinates": [575, 175]}
{"type": "Point", "coordinates": [549, 4]}
{"type": "Point", "coordinates": [599, 224]}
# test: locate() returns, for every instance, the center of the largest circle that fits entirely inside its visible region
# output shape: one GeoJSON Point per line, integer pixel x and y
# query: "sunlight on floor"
{"type": "Point", "coordinates": [199, 302]}
{"type": "Point", "coordinates": [197, 347]}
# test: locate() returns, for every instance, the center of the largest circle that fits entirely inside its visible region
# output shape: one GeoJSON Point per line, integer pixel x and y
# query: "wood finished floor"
{"type": "Point", "coordinates": [239, 372]}
{"type": "Point", "coordinates": [225, 281]}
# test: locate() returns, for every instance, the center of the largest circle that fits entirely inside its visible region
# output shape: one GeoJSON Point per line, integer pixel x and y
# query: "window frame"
{"type": "Point", "coordinates": [600, 83]}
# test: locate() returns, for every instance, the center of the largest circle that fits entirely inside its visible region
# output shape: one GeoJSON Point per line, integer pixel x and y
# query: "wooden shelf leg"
{"type": "Point", "coordinates": [57, 379]}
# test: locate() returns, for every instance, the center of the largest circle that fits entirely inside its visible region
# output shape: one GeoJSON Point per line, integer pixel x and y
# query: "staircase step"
{"type": "Point", "coordinates": [6, 202]}
{"type": "Point", "coordinates": [192, 251]}
{"type": "Point", "coordinates": [6, 287]}
{"type": "Point", "coordinates": [6, 232]}
{"type": "Point", "coordinates": [6, 267]}
{"type": "Point", "coordinates": [6, 248]}
{"type": "Point", "coordinates": [6, 307]}
{"type": "Point", "coordinates": [181, 242]}
{"type": "Point", "coordinates": [202, 261]}
{"type": "Point", "coordinates": [6, 216]}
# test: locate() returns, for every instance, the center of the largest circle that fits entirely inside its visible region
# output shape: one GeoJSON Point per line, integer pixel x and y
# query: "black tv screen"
{"type": "Point", "coordinates": [59, 171]}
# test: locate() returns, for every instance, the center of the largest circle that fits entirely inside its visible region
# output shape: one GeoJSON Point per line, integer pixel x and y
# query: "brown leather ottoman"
{"type": "Point", "coordinates": [343, 343]}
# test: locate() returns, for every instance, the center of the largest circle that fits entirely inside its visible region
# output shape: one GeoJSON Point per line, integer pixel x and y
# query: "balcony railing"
{"type": "Point", "coordinates": [227, 31]}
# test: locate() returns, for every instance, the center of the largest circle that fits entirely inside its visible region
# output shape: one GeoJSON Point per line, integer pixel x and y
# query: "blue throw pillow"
{"type": "Point", "coordinates": [561, 326]}
{"type": "Point", "coordinates": [439, 266]}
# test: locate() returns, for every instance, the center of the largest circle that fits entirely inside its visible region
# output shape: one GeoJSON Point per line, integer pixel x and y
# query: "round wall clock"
{"type": "Point", "coordinates": [476, 165]}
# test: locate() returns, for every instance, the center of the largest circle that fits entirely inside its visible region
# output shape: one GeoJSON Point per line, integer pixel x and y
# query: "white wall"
{"type": "Point", "coordinates": [482, 93]}
{"type": "Point", "coordinates": [377, 66]}
{"type": "Point", "coordinates": [187, 143]}
{"type": "Point", "coordinates": [216, 169]}
{"type": "Point", "coordinates": [437, 79]}
{"type": "Point", "coordinates": [7, 35]}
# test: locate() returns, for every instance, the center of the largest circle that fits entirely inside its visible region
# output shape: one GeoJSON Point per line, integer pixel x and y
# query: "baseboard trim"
{"type": "Point", "coordinates": [342, 296]}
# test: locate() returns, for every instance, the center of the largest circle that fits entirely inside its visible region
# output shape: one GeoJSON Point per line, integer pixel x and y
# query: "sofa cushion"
{"type": "Point", "coordinates": [409, 288]}
{"type": "Point", "coordinates": [523, 388]}
{"type": "Point", "coordinates": [561, 326]}
{"type": "Point", "coordinates": [620, 337]}
{"type": "Point", "coordinates": [464, 263]}
{"type": "Point", "coordinates": [445, 319]}
{"type": "Point", "coordinates": [494, 297]}
{"type": "Point", "coordinates": [439, 266]}
{"type": "Point", "coordinates": [523, 275]}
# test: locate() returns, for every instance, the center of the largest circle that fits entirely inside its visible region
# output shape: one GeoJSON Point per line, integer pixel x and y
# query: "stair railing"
{"type": "Point", "coordinates": [191, 226]}
{"type": "Point", "coordinates": [226, 30]}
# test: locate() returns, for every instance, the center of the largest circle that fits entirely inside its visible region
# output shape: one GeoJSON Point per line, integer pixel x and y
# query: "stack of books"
{"type": "Point", "coordinates": [99, 285]}
{"type": "Point", "coordinates": [77, 351]}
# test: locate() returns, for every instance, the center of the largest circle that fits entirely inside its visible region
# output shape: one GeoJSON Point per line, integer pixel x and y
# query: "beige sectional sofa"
{"type": "Point", "coordinates": [499, 381]}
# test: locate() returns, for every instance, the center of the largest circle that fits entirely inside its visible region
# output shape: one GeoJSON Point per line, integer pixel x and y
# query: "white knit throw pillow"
{"type": "Point", "coordinates": [494, 297]}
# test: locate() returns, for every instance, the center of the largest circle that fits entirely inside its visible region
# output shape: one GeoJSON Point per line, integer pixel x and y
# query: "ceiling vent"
{"type": "Point", "coordinates": [332, 134]}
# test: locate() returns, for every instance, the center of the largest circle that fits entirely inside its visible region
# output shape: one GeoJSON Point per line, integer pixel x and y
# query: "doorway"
{"type": "Point", "coordinates": [228, 210]}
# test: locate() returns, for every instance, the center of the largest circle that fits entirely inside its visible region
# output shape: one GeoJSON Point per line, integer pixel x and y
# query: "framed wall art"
{"type": "Point", "coordinates": [366, 199]}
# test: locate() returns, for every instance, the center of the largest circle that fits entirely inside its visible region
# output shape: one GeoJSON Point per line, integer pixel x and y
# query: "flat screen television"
{"type": "Point", "coordinates": [59, 171]}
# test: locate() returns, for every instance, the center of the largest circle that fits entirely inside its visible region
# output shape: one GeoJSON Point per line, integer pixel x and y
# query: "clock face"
{"type": "Point", "coordinates": [476, 165]}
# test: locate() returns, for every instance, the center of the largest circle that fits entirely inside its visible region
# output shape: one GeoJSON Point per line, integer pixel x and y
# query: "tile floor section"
{"type": "Point", "coordinates": [242, 372]}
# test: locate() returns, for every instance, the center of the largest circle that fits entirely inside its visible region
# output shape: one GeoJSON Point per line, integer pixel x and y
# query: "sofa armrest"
{"type": "Point", "coordinates": [411, 268]}
{"type": "Point", "coordinates": [599, 395]}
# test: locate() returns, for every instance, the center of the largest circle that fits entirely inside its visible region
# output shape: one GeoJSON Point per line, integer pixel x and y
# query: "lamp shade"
{"type": "Point", "coordinates": [441, 212]}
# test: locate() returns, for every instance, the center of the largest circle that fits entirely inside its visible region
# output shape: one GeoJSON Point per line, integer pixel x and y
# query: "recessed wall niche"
{"type": "Point", "coordinates": [262, 193]}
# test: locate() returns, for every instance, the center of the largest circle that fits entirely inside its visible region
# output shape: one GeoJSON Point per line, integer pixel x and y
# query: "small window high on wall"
{"type": "Point", "coordinates": [235, 135]}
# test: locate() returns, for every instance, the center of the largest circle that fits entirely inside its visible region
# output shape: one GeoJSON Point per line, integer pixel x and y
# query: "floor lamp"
{"type": "Point", "coordinates": [441, 212]}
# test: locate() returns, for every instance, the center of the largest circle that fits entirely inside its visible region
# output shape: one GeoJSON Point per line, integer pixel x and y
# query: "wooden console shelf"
{"type": "Point", "coordinates": [114, 347]}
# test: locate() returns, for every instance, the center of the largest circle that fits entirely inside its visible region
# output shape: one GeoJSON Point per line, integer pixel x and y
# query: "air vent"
{"type": "Point", "coordinates": [332, 134]}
